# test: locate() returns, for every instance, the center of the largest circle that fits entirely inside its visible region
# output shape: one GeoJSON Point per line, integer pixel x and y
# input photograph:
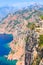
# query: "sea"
{"type": "Point", "coordinates": [5, 39]}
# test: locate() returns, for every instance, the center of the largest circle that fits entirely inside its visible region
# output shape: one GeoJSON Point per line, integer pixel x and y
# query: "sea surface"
{"type": "Point", "coordinates": [4, 61]}
{"type": "Point", "coordinates": [5, 39]}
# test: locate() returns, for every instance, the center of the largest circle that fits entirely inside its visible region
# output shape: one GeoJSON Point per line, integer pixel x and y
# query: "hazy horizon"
{"type": "Point", "coordinates": [19, 3]}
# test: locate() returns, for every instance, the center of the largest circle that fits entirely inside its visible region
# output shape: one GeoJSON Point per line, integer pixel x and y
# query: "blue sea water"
{"type": "Point", "coordinates": [5, 39]}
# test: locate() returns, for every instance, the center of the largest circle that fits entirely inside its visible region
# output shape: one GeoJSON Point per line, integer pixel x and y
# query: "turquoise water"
{"type": "Point", "coordinates": [4, 61]}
